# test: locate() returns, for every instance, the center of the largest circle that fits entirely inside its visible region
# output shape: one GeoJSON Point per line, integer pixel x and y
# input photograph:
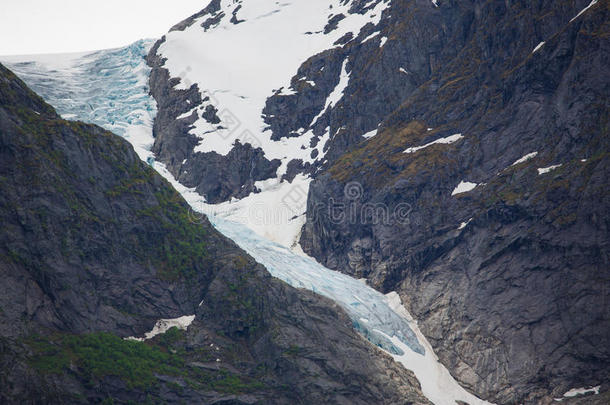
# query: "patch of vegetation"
{"type": "Point", "coordinates": [183, 249]}
{"type": "Point", "coordinates": [102, 354]}
{"type": "Point", "coordinates": [138, 175]}
{"type": "Point", "coordinates": [293, 351]}
{"type": "Point", "coordinates": [48, 358]}
{"type": "Point", "coordinates": [95, 356]}
{"type": "Point", "coordinates": [171, 337]}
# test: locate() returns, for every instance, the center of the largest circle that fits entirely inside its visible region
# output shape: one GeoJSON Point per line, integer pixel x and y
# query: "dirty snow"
{"type": "Point", "coordinates": [163, 325]}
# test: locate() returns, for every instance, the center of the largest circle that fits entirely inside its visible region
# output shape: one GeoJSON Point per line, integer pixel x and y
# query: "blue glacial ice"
{"type": "Point", "coordinates": [368, 308]}
{"type": "Point", "coordinates": [108, 88]}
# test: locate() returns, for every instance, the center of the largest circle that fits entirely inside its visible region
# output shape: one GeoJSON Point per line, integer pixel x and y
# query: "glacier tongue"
{"type": "Point", "coordinates": [109, 88]}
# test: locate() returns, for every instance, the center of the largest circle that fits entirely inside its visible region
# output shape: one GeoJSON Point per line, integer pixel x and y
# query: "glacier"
{"type": "Point", "coordinates": [109, 88]}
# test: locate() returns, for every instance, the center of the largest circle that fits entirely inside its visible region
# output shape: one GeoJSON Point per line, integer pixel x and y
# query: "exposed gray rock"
{"type": "Point", "coordinates": [217, 177]}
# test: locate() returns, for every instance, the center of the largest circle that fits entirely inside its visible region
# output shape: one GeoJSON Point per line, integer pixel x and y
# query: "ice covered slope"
{"type": "Point", "coordinates": [108, 88]}
{"type": "Point", "coordinates": [240, 55]}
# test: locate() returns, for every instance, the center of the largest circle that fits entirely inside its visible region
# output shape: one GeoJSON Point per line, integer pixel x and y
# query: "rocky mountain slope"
{"type": "Point", "coordinates": [457, 153]}
{"type": "Point", "coordinates": [95, 247]}
{"type": "Point", "coordinates": [509, 278]}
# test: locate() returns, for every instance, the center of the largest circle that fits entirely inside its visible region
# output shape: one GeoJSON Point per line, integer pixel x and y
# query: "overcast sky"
{"type": "Point", "coordinates": [60, 26]}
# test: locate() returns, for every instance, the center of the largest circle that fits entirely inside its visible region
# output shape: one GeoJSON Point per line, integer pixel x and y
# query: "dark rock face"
{"type": "Point", "coordinates": [95, 246]}
{"type": "Point", "coordinates": [508, 281]}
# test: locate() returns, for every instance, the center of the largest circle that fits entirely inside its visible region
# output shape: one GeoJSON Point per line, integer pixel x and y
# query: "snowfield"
{"type": "Point", "coordinates": [280, 36]}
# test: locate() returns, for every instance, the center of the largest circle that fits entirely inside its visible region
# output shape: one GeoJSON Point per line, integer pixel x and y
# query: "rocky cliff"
{"type": "Point", "coordinates": [508, 279]}
{"type": "Point", "coordinates": [95, 246]}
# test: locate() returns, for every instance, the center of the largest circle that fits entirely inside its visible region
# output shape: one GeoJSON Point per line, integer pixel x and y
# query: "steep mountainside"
{"type": "Point", "coordinates": [453, 151]}
{"type": "Point", "coordinates": [509, 279]}
{"type": "Point", "coordinates": [94, 79]}
{"type": "Point", "coordinates": [95, 246]}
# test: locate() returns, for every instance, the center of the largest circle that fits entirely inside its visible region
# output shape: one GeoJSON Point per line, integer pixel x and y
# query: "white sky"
{"type": "Point", "coordinates": [61, 26]}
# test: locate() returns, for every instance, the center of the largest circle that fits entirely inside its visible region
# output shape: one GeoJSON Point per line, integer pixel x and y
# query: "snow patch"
{"type": "Point", "coordinates": [382, 41]}
{"type": "Point", "coordinates": [280, 36]}
{"type": "Point", "coordinates": [373, 35]}
{"type": "Point", "coordinates": [163, 325]}
{"type": "Point", "coordinates": [445, 141]}
{"type": "Point", "coordinates": [464, 224]}
{"type": "Point", "coordinates": [579, 391]}
{"type": "Point", "coordinates": [593, 2]}
{"type": "Point", "coordinates": [544, 170]}
{"type": "Point", "coordinates": [538, 47]}
{"type": "Point", "coordinates": [337, 92]}
{"type": "Point", "coordinates": [525, 158]}
{"type": "Point", "coordinates": [464, 187]}
{"type": "Point", "coordinates": [437, 384]}
{"type": "Point", "coordinates": [370, 134]}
